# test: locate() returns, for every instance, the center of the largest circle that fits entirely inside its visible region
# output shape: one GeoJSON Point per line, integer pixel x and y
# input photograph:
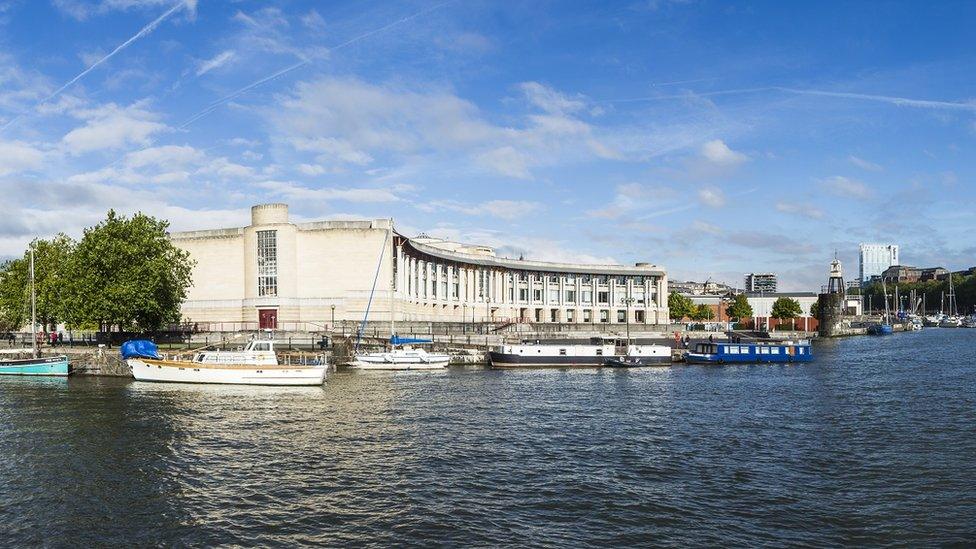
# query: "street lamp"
{"type": "Point", "coordinates": [333, 318]}
{"type": "Point", "coordinates": [627, 302]}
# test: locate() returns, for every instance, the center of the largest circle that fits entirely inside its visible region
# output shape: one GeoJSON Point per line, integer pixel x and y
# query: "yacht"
{"type": "Point", "coordinates": [401, 356]}
{"type": "Point", "coordinates": [595, 353]}
{"type": "Point", "coordinates": [258, 363]}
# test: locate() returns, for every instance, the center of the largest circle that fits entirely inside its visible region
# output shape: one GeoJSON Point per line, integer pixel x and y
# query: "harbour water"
{"type": "Point", "coordinates": [874, 443]}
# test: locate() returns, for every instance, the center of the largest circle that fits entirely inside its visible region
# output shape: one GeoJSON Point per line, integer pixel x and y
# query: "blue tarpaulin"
{"type": "Point", "coordinates": [397, 340]}
{"type": "Point", "coordinates": [139, 348]}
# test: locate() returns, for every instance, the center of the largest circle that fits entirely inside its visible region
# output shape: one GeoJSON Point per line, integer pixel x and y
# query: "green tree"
{"type": "Point", "coordinates": [51, 283]}
{"type": "Point", "coordinates": [815, 309]}
{"type": "Point", "coordinates": [125, 272]}
{"type": "Point", "coordinates": [14, 304]}
{"type": "Point", "coordinates": [739, 308]}
{"type": "Point", "coordinates": [786, 307]}
{"type": "Point", "coordinates": [679, 306]}
{"type": "Point", "coordinates": [702, 312]}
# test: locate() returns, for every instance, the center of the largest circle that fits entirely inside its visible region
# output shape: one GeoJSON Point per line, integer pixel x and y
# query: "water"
{"type": "Point", "coordinates": [873, 443]}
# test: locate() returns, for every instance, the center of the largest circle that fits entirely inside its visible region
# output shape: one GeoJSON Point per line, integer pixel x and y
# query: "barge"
{"type": "Point", "coordinates": [729, 352]}
{"type": "Point", "coordinates": [595, 354]}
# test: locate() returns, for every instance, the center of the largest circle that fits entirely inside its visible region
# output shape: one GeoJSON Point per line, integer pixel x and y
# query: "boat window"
{"type": "Point", "coordinates": [764, 350]}
{"type": "Point", "coordinates": [733, 350]}
{"type": "Point", "coordinates": [262, 347]}
{"type": "Point", "coordinates": [562, 352]}
{"type": "Point", "coordinates": [599, 352]}
{"type": "Point", "coordinates": [774, 350]}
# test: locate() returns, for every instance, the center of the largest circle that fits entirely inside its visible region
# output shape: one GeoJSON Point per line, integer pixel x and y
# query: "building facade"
{"type": "Point", "coordinates": [278, 274]}
{"type": "Point", "coordinates": [760, 282]}
{"type": "Point", "coordinates": [873, 259]}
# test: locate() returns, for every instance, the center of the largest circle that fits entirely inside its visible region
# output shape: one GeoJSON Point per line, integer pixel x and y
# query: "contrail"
{"type": "Point", "coordinates": [899, 101]}
{"type": "Point", "coordinates": [214, 105]}
{"type": "Point", "coordinates": [142, 32]}
{"type": "Point", "coordinates": [891, 100]}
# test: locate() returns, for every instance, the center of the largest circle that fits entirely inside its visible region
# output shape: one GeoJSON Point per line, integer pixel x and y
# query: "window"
{"type": "Point", "coordinates": [570, 315]}
{"type": "Point", "coordinates": [537, 295]}
{"type": "Point", "coordinates": [554, 315]}
{"type": "Point", "coordinates": [570, 296]}
{"type": "Point", "coordinates": [570, 279]}
{"type": "Point", "coordinates": [586, 279]}
{"type": "Point", "coordinates": [587, 315]}
{"type": "Point", "coordinates": [262, 346]}
{"type": "Point", "coordinates": [638, 296]}
{"type": "Point", "coordinates": [554, 279]}
{"type": "Point", "coordinates": [433, 275]}
{"type": "Point", "coordinates": [764, 350]}
{"type": "Point", "coordinates": [587, 296]}
{"type": "Point", "coordinates": [562, 352]}
{"type": "Point", "coordinates": [599, 352]}
{"type": "Point", "coordinates": [553, 296]}
{"type": "Point", "coordinates": [523, 276]}
{"type": "Point", "coordinates": [621, 316]}
{"type": "Point", "coordinates": [523, 294]}
{"type": "Point", "coordinates": [774, 350]}
{"type": "Point", "coordinates": [601, 279]}
{"type": "Point", "coordinates": [604, 316]}
{"type": "Point", "coordinates": [732, 350]}
{"type": "Point", "coordinates": [639, 316]}
{"type": "Point", "coordinates": [603, 297]}
{"type": "Point", "coordinates": [268, 263]}
{"type": "Point", "coordinates": [621, 281]}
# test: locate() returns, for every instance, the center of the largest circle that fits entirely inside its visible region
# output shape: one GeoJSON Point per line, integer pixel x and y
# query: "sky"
{"type": "Point", "coordinates": [711, 138]}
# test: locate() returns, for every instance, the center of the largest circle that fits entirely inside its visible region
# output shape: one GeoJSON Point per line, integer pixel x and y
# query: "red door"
{"type": "Point", "coordinates": [268, 319]}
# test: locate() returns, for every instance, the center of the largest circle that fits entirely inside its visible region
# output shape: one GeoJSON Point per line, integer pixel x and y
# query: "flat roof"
{"type": "Point", "coordinates": [530, 265]}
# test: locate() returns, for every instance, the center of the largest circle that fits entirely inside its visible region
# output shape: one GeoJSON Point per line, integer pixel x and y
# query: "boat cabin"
{"type": "Point", "coordinates": [751, 352]}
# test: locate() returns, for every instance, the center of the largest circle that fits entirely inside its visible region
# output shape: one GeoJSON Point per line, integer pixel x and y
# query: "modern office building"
{"type": "Point", "coordinates": [278, 274]}
{"type": "Point", "coordinates": [760, 282]}
{"type": "Point", "coordinates": [875, 258]}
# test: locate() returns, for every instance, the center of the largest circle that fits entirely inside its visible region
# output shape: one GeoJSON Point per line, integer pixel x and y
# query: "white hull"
{"type": "Point", "coordinates": [190, 372]}
{"type": "Point", "coordinates": [363, 365]}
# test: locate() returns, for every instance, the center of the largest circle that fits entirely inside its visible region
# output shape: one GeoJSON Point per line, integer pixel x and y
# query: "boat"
{"type": "Point", "coordinates": [595, 353]}
{"type": "Point", "coordinates": [880, 329]}
{"type": "Point", "coordinates": [932, 321]}
{"type": "Point", "coordinates": [29, 362]}
{"type": "Point", "coordinates": [258, 363]}
{"type": "Point", "coordinates": [752, 352]}
{"type": "Point", "coordinates": [952, 318]}
{"type": "Point", "coordinates": [401, 354]}
{"type": "Point", "coordinates": [950, 321]}
{"type": "Point", "coordinates": [969, 322]}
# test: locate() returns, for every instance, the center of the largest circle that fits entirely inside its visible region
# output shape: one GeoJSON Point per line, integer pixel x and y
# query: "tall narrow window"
{"type": "Point", "coordinates": [268, 263]}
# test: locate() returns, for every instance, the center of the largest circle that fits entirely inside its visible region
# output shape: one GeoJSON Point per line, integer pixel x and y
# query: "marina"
{"type": "Point", "coordinates": [853, 447]}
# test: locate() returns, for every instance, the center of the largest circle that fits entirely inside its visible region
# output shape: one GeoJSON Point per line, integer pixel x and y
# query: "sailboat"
{"type": "Point", "coordinates": [884, 327]}
{"type": "Point", "coordinates": [33, 364]}
{"type": "Point", "coordinates": [401, 355]}
{"type": "Point", "coordinates": [952, 319]}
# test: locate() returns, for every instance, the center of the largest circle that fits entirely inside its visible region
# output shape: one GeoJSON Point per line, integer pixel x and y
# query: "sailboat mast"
{"type": "Point", "coordinates": [393, 263]}
{"type": "Point", "coordinates": [33, 304]}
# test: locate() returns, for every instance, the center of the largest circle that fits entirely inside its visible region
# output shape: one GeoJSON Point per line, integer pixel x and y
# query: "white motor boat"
{"type": "Point", "coordinates": [257, 364]}
{"type": "Point", "coordinates": [401, 358]}
{"type": "Point", "coordinates": [950, 322]}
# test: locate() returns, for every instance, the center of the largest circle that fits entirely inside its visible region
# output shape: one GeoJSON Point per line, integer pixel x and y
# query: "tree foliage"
{"type": "Point", "coordinates": [679, 306]}
{"type": "Point", "coordinates": [815, 309]}
{"type": "Point", "coordinates": [785, 307]}
{"type": "Point", "coordinates": [124, 272]}
{"type": "Point", "coordinates": [51, 283]}
{"type": "Point", "coordinates": [933, 290]}
{"type": "Point", "coordinates": [739, 308]}
{"type": "Point", "coordinates": [702, 312]}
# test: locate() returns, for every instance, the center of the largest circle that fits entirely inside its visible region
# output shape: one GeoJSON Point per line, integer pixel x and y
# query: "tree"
{"type": "Point", "coordinates": [785, 307]}
{"type": "Point", "coordinates": [51, 283]}
{"type": "Point", "coordinates": [739, 308]}
{"type": "Point", "coordinates": [679, 306]}
{"type": "Point", "coordinates": [126, 273]}
{"type": "Point", "coordinates": [815, 309]}
{"type": "Point", "coordinates": [702, 312]}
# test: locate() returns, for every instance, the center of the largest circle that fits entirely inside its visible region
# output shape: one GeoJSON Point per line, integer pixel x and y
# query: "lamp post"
{"type": "Point", "coordinates": [333, 319]}
{"type": "Point", "coordinates": [627, 302]}
{"type": "Point", "coordinates": [464, 318]}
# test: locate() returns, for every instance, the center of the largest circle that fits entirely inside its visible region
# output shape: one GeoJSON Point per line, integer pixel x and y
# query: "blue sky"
{"type": "Point", "coordinates": [711, 138]}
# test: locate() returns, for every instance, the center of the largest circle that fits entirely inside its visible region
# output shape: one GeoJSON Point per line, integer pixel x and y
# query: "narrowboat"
{"type": "Point", "coordinates": [595, 354]}
{"type": "Point", "coordinates": [727, 352]}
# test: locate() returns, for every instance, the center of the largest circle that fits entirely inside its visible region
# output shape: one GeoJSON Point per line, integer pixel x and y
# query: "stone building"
{"type": "Point", "coordinates": [306, 276]}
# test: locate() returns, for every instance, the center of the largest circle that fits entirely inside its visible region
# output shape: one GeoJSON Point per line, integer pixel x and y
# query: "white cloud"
{"type": "Point", "coordinates": [294, 192]}
{"type": "Point", "coordinates": [313, 20]}
{"type": "Point", "coordinates": [864, 164]}
{"type": "Point", "coordinates": [112, 127]}
{"type": "Point", "coordinates": [332, 151]}
{"type": "Point", "coordinates": [631, 197]}
{"type": "Point", "coordinates": [712, 196]}
{"type": "Point", "coordinates": [17, 156]}
{"type": "Point", "coordinates": [803, 210]}
{"type": "Point", "coordinates": [217, 61]}
{"type": "Point", "coordinates": [550, 100]}
{"type": "Point", "coordinates": [507, 161]}
{"type": "Point", "coordinates": [718, 153]}
{"type": "Point", "coordinates": [843, 186]}
{"type": "Point", "coordinates": [503, 209]}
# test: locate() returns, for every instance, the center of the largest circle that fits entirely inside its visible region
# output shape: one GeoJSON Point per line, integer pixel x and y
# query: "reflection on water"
{"type": "Point", "coordinates": [872, 443]}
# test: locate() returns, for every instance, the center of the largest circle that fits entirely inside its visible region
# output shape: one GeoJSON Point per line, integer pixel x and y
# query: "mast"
{"type": "Point", "coordinates": [34, 349]}
{"type": "Point", "coordinates": [953, 309]}
{"type": "Point", "coordinates": [393, 260]}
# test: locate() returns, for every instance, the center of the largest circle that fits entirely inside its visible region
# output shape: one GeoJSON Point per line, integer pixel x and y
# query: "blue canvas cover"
{"type": "Point", "coordinates": [139, 348]}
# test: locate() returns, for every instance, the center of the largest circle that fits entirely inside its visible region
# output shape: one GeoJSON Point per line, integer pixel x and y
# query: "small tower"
{"type": "Point", "coordinates": [835, 284]}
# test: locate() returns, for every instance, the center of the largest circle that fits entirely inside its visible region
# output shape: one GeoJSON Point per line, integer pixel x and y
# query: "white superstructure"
{"type": "Point", "coordinates": [256, 364]}
{"type": "Point", "coordinates": [406, 358]}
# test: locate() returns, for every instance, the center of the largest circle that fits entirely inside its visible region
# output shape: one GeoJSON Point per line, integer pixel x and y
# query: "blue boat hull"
{"type": "Point", "coordinates": [749, 353]}
{"type": "Point", "coordinates": [50, 366]}
{"type": "Point", "coordinates": [694, 358]}
{"type": "Point", "coordinates": [880, 329]}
